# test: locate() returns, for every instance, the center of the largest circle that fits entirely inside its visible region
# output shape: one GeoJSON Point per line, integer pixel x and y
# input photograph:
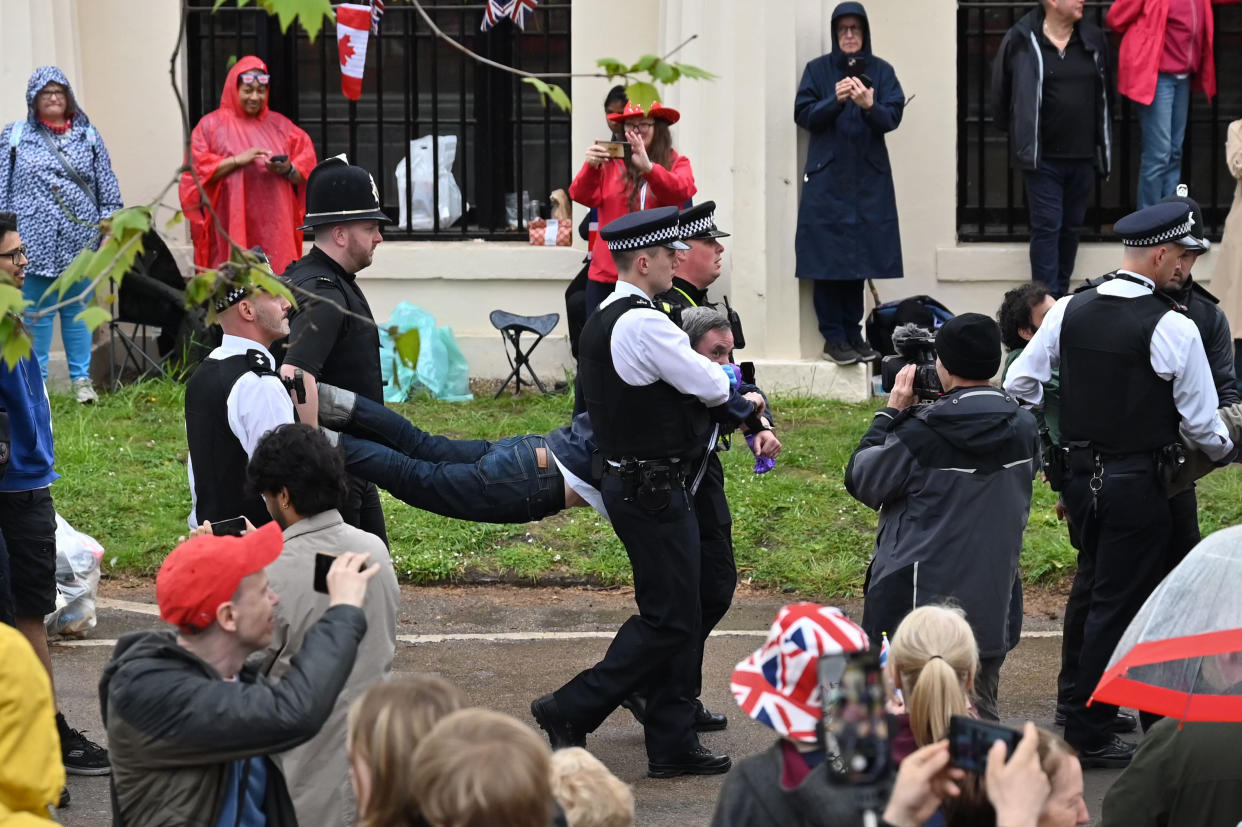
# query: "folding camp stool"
{"type": "Point", "coordinates": [511, 327]}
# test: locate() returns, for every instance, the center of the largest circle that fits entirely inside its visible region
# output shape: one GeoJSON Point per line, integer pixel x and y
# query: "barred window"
{"type": "Point", "coordinates": [990, 200]}
{"type": "Point", "coordinates": [508, 151]}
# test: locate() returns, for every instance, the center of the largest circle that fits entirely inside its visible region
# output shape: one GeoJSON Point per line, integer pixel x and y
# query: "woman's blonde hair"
{"type": "Point", "coordinates": [479, 768]}
{"type": "Point", "coordinates": [590, 795]}
{"type": "Point", "coordinates": [385, 727]}
{"type": "Point", "coordinates": [935, 656]}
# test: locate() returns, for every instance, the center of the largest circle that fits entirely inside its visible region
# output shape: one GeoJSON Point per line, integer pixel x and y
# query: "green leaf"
{"type": "Point", "coordinates": [612, 67]}
{"type": "Point", "coordinates": [200, 288]}
{"type": "Point", "coordinates": [407, 347]}
{"type": "Point", "coordinates": [16, 341]}
{"type": "Point", "coordinates": [645, 63]}
{"type": "Point", "coordinates": [176, 219]}
{"type": "Point", "coordinates": [74, 273]}
{"type": "Point", "coordinates": [547, 90]}
{"type": "Point", "coordinates": [695, 72]}
{"type": "Point", "coordinates": [229, 63]}
{"type": "Point", "coordinates": [642, 94]}
{"type": "Point", "coordinates": [130, 220]}
{"type": "Point", "coordinates": [665, 72]}
{"type": "Point", "coordinates": [310, 13]}
{"type": "Point", "coordinates": [11, 300]}
{"type": "Point", "coordinates": [94, 316]}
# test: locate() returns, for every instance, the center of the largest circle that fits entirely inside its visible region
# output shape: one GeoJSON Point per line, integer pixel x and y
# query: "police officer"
{"type": "Point", "coordinates": [1132, 369]}
{"type": "Point", "coordinates": [697, 269]}
{"type": "Point", "coordinates": [332, 335]}
{"type": "Point", "coordinates": [652, 402]}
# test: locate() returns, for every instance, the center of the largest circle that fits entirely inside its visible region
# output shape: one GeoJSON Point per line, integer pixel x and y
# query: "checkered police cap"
{"type": "Point", "coordinates": [646, 228]}
{"type": "Point", "coordinates": [699, 221]}
{"type": "Point", "coordinates": [1163, 223]}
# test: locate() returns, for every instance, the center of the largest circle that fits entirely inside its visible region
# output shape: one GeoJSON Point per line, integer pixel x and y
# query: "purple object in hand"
{"type": "Point", "coordinates": [762, 464]}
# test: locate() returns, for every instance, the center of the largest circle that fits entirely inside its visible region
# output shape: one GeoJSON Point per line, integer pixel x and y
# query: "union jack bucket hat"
{"type": "Point", "coordinates": [778, 685]}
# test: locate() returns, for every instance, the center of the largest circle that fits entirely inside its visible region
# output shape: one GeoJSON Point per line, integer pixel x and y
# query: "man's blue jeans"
{"type": "Point", "coordinates": [491, 482]}
{"type": "Point", "coordinates": [1056, 195]}
{"type": "Point", "coordinates": [1163, 124]}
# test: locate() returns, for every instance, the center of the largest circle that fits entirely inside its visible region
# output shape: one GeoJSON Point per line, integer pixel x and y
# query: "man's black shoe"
{"type": "Point", "coordinates": [64, 798]}
{"type": "Point", "coordinates": [707, 721]}
{"type": "Point", "coordinates": [839, 352]}
{"type": "Point", "coordinates": [1122, 724]}
{"type": "Point", "coordinates": [866, 353]}
{"type": "Point", "coordinates": [561, 733]}
{"type": "Point", "coordinates": [698, 761]}
{"type": "Point", "coordinates": [637, 705]}
{"type": "Point", "coordinates": [1113, 755]}
{"type": "Point", "coordinates": [81, 755]}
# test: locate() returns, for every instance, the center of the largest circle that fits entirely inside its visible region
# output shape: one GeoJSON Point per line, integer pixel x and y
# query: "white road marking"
{"type": "Point", "coordinates": [152, 610]}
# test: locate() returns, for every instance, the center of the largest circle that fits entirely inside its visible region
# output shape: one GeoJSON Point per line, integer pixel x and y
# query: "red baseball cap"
{"type": "Point", "coordinates": [204, 572]}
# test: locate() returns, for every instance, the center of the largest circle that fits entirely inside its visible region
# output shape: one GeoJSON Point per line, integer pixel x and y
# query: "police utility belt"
{"type": "Point", "coordinates": [650, 482]}
{"type": "Point", "coordinates": [1084, 458]}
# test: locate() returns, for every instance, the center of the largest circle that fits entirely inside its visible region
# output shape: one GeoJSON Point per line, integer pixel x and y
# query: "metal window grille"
{"type": "Point", "coordinates": [990, 198]}
{"type": "Point", "coordinates": [512, 151]}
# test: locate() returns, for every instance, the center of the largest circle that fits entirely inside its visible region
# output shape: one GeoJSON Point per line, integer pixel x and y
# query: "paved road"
{"type": "Point", "coordinates": [548, 642]}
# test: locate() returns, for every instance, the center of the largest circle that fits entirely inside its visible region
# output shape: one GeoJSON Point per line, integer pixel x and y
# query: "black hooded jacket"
{"type": "Point", "coordinates": [952, 481]}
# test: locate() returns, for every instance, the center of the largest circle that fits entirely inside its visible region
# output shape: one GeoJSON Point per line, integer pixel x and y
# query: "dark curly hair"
{"type": "Point", "coordinates": [299, 458]}
{"type": "Point", "coordinates": [1015, 312]}
{"type": "Point", "coordinates": [8, 223]}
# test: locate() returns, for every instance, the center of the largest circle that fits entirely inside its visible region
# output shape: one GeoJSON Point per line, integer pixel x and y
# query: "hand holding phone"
{"type": "Point", "coordinates": [855, 723]}
{"type": "Point", "coordinates": [970, 740]}
{"type": "Point", "coordinates": [615, 149]}
{"type": "Point", "coordinates": [232, 527]}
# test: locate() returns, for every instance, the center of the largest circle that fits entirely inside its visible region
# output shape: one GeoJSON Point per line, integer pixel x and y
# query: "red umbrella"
{"type": "Point", "coordinates": [1181, 656]}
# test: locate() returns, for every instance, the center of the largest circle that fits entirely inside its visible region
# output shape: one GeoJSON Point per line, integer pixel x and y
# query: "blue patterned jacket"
{"type": "Point", "coordinates": [34, 184]}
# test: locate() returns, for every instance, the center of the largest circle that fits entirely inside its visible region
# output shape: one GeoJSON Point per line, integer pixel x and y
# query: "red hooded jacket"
{"type": "Point", "coordinates": [255, 206]}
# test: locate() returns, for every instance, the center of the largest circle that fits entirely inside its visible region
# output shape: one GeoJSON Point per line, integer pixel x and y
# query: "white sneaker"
{"type": "Point", "coordinates": [84, 391]}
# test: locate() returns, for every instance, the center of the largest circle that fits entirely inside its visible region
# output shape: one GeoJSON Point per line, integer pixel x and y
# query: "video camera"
{"type": "Point", "coordinates": [915, 346]}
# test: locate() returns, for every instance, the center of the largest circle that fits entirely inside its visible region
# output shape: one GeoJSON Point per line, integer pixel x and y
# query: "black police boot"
{"type": "Point", "coordinates": [707, 721]}
{"type": "Point", "coordinates": [697, 761]}
{"type": "Point", "coordinates": [1122, 723]}
{"type": "Point", "coordinates": [336, 406]}
{"type": "Point", "coordinates": [561, 732]}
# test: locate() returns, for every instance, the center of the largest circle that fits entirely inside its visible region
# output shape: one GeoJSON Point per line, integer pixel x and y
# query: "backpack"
{"type": "Point", "coordinates": [885, 318]}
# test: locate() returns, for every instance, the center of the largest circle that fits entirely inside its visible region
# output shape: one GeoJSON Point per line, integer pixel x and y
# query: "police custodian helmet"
{"type": "Point", "coordinates": [337, 191]}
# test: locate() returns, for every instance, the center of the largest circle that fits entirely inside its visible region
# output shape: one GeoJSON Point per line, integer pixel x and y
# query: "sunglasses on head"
{"type": "Point", "coordinates": [261, 78]}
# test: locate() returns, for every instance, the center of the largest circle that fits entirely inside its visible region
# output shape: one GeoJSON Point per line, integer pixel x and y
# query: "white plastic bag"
{"type": "Point", "coordinates": [422, 205]}
{"type": "Point", "coordinates": [77, 581]}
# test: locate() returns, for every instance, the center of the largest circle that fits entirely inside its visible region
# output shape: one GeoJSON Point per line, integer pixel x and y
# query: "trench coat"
{"type": "Point", "coordinates": [1227, 272]}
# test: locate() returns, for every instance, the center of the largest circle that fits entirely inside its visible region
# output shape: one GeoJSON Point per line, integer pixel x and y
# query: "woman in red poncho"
{"type": "Point", "coordinates": [252, 163]}
{"type": "Point", "coordinates": [654, 175]}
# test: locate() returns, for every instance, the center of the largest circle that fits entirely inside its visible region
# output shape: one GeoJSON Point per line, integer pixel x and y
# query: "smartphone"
{"type": "Point", "coordinates": [232, 527]}
{"type": "Point", "coordinates": [616, 149]}
{"type": "Point", "coordinates": [278, 159]}
{"type": "Point", "coordinates": [970, 740]}
{"type": "Point", "coordinates": [855, 723]}
{"type": "Point", "coordinates": [323, 562]}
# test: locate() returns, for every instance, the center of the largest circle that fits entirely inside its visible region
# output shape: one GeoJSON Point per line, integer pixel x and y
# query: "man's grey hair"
{"type": "Point", "coordinates": [697, 321]}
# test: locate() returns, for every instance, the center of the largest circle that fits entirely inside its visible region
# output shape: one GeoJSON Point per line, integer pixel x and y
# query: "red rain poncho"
{"type": "Point", "coordinates": [254, 205]}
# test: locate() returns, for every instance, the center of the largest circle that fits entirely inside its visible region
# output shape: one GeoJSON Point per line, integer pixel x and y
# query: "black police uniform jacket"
{"type": "Point", "coordinates": [952, 481]}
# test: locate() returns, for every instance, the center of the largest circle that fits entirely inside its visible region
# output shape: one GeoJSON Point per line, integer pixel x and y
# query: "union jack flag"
{"type": "Point", "coordinates": [496, 11]}
{"type": "Point", "coordinates": [778, 685]}
{"type": "Point", "coordinates": [522, 10]}
{"type": "Point", "coordinates": [377, 11]}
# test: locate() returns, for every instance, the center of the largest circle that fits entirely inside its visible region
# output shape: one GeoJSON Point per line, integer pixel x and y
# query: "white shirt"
{"type": "Point", "coordinates": [1176, 354]}
{"type": "Point", "coordinates": [255, 405]}
{"type": "Point", "coordinates": [647, 347]}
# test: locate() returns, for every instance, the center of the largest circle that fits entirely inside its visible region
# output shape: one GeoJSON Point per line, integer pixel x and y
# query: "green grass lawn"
{"type": "Point", "coordinates": [124, 481]}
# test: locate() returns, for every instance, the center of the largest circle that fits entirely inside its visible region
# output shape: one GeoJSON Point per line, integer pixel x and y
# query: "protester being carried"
{"type": "Point", "coordinates": [479, 767]}
{"type": "Point", "coordinates": [252, 163]}
{"type": "Point", "coordinates": [301, 478]}
{"type": "Point", "coordinates": [385, 727]}
{"type": "Point", "coordinates": [192, 728]}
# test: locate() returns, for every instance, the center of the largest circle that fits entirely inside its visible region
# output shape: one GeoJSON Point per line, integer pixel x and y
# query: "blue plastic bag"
{"type": "Point", "coordinates": [441, 369]}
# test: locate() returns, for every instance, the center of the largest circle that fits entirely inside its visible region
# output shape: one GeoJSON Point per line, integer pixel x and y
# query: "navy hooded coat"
{"type": "Point", "coordinates": [847, 221]}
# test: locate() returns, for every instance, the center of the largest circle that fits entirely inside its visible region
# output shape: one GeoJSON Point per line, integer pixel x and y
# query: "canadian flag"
{"type": "Point", "coordinates": [353, 27]}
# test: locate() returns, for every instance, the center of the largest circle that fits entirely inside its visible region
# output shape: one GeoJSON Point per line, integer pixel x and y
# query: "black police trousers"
{"type": "Point", "coordinates": [1125, 532]}
{"type": "Point", "coordinates": [655, 650]}
{"type": "Point", "coordinates": [1184, 509]}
